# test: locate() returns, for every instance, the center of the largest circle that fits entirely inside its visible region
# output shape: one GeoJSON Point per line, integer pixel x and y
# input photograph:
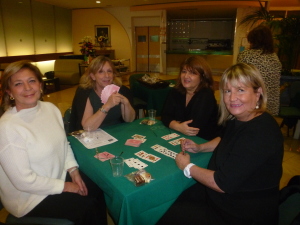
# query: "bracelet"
{"type": "Point", "coordinates": [103, 110]}
{"type": "Point", "coordinates": [72, 170]}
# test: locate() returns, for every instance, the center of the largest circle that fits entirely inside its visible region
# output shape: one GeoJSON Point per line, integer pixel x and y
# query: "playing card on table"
{"type": "Point", "coordinates": [103, 156]}
{"type": "Point", "coordinates": [152, 158]}
{"type": "Point", "coordinates": [142, 154]}
{"type": "Point", "coordinates": [133, 142]}
{"type": "Point", "coordinates": [107, 91]}
{"type": "Point", "coordinates": [129, 162]}
{"type": "Point", "coordinates": [170, 136]}
{"type": "Point", "coordinates": [176, 141]}
{"type": "Point", "coordinates": [138, 164]}
{"type": "Point", "coordinates": [164, 151]}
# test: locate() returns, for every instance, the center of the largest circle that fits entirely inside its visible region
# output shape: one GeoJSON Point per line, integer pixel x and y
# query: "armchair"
{"type": "Point", "coordinates": [67, 70]}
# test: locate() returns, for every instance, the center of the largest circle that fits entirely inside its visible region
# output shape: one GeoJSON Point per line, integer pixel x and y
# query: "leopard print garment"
{"type": "Point", "coordinates": [270, 68]}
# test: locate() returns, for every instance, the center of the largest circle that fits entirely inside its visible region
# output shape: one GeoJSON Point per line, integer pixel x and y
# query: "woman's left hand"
{"type": "Point", "coordinates": [76, 178]}
{"type": "Point", "coordinates": [115, 99]}
{"type": "Point", "coordinates": [182, 160]}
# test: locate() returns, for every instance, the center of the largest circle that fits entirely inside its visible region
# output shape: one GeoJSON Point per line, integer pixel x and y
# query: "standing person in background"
{"type": "Point", "coordinates": [261, 54]}
{"type": "Point", "coordinates": [191, 107]}
{"type": "Point", "coordinates": [88, 112]}
{"type": "Point", "coordinates": [241, 183]}
{"type": "Point", "coordinates": [39, 175]}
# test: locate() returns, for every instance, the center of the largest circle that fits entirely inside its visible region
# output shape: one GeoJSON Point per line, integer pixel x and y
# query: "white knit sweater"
{"type": "Point", "coordinates": [34, 156]}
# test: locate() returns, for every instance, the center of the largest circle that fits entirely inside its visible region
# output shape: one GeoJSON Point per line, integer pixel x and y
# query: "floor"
{"type": "Point", "coordinates": [291, 161]}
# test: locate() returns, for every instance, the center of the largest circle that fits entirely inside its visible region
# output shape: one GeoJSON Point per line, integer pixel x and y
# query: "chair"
{"type": "Point", "coordinates": [67, 70]}
{"type": "Point", "coordinates": [66, 119]}
{"type": "Point", "coordinates": [10, 219]}
{"type": "Point", "coordinates": [289, 203]}
{"type": "Point", "coordinates": [291, 113]}
{"type": "Point", "coordinates": [139, 105]}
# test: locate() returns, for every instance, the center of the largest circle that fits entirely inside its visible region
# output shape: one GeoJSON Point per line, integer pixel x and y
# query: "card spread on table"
{"type": "Point", "coordinates": [176, 141]}
{"type": "Point", "coordinates": [164, 151]}
{"type": "Point", "coordinates": [107, 91]}
{"type": "Point", "coordinates": [135, 163]}
{"type": "Point", "coordinates": [103, 156]}
{"type": "Point", "coordinates": [149, 157]}
{"type": "Point", "coordinates": [133, 142]}
{"type": "Point", "coordinates": [170, 136]}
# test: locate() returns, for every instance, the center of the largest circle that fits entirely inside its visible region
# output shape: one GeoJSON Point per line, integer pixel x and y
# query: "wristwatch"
{"type": "Point", "coordinates": [103, 110]}
{"type": "Point", "coordinates": [186, 170]}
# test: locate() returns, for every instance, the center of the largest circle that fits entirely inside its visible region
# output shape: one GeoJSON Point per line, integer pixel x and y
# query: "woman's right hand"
{"type": "Point", "coordinates": [72, 187]}
{"type": "Point", "coordinates": [189, 145]}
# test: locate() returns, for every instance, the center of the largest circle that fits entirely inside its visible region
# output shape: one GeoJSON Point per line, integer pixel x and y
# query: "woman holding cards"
{"type": "Point", "coordinates": [100, 99]}
{"type": "Point", "coordinates": [241, 183]}
{"type": "Point", "coordinates": [39, 175]}
{"type": "Point", "coordinates": [191, 107]}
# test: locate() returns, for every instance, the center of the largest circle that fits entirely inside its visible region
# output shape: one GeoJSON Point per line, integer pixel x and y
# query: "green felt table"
{"type": "Point", "coordinates": [155, 98]}
{"type": "Point", "coordinates": [145, 204]}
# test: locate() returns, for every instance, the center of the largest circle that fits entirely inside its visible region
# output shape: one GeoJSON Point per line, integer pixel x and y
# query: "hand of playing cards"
{"type": "Point", "coordinates": [107, 91]}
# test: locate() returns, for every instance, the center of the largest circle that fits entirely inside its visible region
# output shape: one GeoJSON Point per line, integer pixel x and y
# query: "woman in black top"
{"type": "Point", "coordinates": [241, 183]}
{"type": "Point", "coordinates": [88, 112]}
{"type": "Point", "coordinates": [191, 107]}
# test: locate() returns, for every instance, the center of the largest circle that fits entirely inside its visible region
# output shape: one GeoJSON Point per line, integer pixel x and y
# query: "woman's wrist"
{"type": "Point", "coordinates": [71, 170]}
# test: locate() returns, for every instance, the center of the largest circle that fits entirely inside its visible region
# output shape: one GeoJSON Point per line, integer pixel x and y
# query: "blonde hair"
{"type": "Point", "coordinates": [97, 64]}
{"type": "Point", "coordinates": [248, 75]}
{"type": "Point", "coordinates": [10, 70]}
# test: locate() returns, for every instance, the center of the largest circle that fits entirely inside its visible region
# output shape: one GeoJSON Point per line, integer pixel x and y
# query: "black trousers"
{"type": "Point", "coordinates": [82, 210]}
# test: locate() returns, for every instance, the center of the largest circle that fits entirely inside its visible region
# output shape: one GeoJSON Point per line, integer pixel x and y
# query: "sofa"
{"type": "Point", "coordinates": [67, 70]}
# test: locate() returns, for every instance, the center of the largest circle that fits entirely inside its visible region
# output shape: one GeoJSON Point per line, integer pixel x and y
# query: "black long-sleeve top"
{"type": "Point", "coordinates": [202, 109]}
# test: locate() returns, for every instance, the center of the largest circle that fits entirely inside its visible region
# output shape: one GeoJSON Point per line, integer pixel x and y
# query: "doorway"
{"type": "Point", "coordinates": [147, 49]}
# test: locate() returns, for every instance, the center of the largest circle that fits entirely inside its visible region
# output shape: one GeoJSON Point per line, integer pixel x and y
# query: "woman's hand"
{"type": "Point", "coordinates": [184, 127]}
{"type": "Point", "coordinates": [76, 179]}
{"type": "Point", "coordinates": [113, 100]}
{"type": "Point", "coordinates": [189, 145]}
{"type": "Point", "coordinates": [182, 160]}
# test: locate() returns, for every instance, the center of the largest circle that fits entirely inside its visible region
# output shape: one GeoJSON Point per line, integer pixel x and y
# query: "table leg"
{"type": "Point", "coordinates": [297, 130]}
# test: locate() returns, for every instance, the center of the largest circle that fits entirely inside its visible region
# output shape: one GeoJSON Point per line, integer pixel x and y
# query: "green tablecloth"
{"type": "Point", "coordinates": [145, 204]}
{"type": "Point", "coordinates": [155, 98]}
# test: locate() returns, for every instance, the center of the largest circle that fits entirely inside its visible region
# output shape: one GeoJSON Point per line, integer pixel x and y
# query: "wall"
{"type": "Point", "coordinates": [83, 24]}
{"type": "Point", "coordinates": [122, 22]}
{"type": "Point", "coordinates": [241, 31]}
{"type": "Point", "coordinates": [34, 30]}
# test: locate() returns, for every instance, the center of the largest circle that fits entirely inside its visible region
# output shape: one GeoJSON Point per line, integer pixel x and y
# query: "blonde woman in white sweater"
{"type": "Point", "coordinates": [38, 172]}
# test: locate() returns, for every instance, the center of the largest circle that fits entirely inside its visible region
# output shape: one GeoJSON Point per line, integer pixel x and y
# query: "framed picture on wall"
{"type": "Point", "coordinates": [102, 34]}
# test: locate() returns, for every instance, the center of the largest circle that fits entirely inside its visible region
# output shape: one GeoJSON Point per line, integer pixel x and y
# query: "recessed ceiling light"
{"type": "Point", "coordinates": [98, 2]}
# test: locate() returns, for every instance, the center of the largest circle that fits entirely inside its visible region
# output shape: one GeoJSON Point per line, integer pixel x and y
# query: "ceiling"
{"type": "Point", "coordinates": [187, 9]}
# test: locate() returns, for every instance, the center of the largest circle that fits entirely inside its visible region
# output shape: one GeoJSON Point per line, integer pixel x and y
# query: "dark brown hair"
{"type": "Point", "coordinates": [199, 65]}
{"type": "Point", "coordinates": [261, 38]}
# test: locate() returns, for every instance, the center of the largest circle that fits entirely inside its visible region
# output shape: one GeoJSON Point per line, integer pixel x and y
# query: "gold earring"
{"type": "Point", "coordinates": [11, 98]}
{"type": "Point", "coordinates": [41, 91]}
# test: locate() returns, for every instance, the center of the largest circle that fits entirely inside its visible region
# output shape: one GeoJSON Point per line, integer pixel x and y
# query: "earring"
{"type": "Point", "coordinates": [11, 98]}
{"type": "Point", "coordinates": [257, 105]}
{"type": "Point", "coordinates": [41, 91]}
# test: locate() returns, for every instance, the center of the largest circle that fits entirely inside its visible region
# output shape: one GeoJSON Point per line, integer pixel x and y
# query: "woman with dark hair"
{"type": "Point", "coordinates": [88, 112]}
{"type": "Point", "coordinates": [241, 182]}
{"type": "Point", "coordinates": [191, 107]}
{"type": "Point", "coordinates": [261, 54]}
{"type": "Point", "coordinates": [39, 174]}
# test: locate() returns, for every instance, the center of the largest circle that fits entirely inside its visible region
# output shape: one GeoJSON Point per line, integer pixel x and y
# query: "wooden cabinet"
{"type": "Point", "coordinates": [108, 53]}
